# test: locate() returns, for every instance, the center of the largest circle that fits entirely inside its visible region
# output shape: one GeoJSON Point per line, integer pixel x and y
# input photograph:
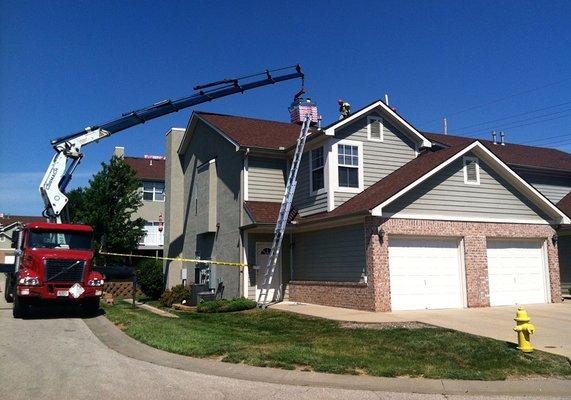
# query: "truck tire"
{"type": "Point", "coordinates": [21, 307]}
{"type": "Point", "coordinates": [90, 307]}
{"type": "Point", "coordinates": [8, 289]}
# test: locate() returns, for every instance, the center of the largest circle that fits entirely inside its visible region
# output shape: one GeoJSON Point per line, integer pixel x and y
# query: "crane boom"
{"type": "Point", "coordinates": [68, 148]}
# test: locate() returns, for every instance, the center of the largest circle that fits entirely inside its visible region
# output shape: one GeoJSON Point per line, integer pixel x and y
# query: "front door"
{"type": "Point", "coordinates": [263, 250]}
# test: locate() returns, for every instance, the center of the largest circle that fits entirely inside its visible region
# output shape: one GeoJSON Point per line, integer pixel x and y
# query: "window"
{"type": "Point", "coordinates": [471, 171]}
{"type": "Point", "coordinates": [154, 191]}
{"type": "Point", "coordinates": [375, 129]}
{"type": "Point", "coordinates": [348, 165]}
{"type": "Point", "coordinates": [317, 180]}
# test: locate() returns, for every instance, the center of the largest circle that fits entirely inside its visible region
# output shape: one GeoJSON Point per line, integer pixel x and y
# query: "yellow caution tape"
{"type": "Point", "coordinates": [191, 260]}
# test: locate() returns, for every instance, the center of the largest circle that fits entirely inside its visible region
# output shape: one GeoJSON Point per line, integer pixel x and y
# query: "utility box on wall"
{"type": "Point", "coordinates": [206, 197]}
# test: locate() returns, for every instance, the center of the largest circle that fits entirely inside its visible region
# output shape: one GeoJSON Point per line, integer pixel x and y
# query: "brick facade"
{"type": "Point", "coordinates": [376, 296]}
{"type": "Point", "coordinates": [335, 294]}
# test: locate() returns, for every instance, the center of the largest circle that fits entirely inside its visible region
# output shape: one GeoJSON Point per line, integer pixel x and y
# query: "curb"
{"type": "Point", "coordinates": [117, 340]}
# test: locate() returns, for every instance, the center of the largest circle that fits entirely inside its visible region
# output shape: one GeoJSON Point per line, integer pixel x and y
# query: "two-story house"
{"type": "Point", "coordinates": [8, 224]}
{"type": "Point", "coordinates": [151, 172]}
{"type": "Point", "coordinates": [388, 217]}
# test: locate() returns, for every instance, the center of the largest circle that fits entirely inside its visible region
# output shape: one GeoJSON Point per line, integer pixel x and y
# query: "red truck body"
{"type": "Point", "coordinates": [54, 264]}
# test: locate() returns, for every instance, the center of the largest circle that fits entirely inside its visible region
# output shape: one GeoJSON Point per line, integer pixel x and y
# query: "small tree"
{"type": "Point", "coordinates": [108, 205]}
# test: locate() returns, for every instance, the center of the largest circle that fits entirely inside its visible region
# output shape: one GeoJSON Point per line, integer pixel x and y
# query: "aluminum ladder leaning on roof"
{"type": "Point", "coordinates": [283, 216]}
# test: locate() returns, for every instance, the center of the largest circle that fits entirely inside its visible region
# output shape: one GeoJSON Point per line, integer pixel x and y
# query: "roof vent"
{"type": "Point", "coordinates": [300, 108]}
{"type": "Point", "coordinates": [502, 138]}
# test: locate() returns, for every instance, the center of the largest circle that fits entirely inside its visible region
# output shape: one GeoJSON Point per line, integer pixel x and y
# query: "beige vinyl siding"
{"type": "Point", "coordinates": [379, 158]}
{"type": "Point", "coordinates": [551, 185]}
{"type": "Point", "coordinates": [308, 204]}
{"type": "Point", "coordinates": [335, 255]}
{"type": "Point", "coordinates": [446, 194]}
{"type": "Point", "coordinates": [266, 179]}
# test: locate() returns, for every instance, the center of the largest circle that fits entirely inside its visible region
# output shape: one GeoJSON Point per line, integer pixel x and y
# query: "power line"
{"type": "Point", "coordinates": [523, 120]}
{"type": "Point", "coordinates": [514, 115]}
{"type": "Point", "coordinates": [497, 100]}
{"type": "Point", "coordinates": [546, 138]}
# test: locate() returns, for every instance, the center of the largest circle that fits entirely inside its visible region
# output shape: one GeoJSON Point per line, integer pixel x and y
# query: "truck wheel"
{"type": "Point", "coordinates": [90, 307]}
{"type": "Point", "coordinates": [8, 289]}
{"type": "Point", "coordinates": [21, 307]}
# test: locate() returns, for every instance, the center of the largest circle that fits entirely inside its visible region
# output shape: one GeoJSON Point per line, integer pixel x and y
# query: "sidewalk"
{"type": "Point", "coordinates": [125, 345]}
{"type": "Point", "coordinates": [552, 321]}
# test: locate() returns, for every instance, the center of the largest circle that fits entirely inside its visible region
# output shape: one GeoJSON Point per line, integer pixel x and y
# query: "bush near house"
{"type": "Point", "coordinates": [177, 294]}
{"type": "Point", "coordinates": [220, 306]}
{"type": "Point", "coordinates": [150, 278]}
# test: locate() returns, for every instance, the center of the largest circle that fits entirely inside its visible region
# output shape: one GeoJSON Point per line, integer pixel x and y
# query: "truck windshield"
{"type": "Point", "coordinates": [46, 239]}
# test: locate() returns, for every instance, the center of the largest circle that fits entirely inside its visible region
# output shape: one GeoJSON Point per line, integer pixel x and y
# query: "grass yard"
{"type": "Point", "coordinates": [279, 339]}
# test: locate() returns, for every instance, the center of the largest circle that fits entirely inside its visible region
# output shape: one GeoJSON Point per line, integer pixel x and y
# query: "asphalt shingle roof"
{"type": "Point", "coordinates": [146, 168]}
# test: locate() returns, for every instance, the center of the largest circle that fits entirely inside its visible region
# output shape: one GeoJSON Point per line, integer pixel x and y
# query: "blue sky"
{"type": "Point", "coordinates": [70, 64]}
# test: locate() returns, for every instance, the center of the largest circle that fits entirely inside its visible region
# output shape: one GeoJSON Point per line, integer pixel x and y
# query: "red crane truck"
{"type": "Point", "coordinates": [53, 260]}
{"type": "Point", "coordinates": [54, 264]}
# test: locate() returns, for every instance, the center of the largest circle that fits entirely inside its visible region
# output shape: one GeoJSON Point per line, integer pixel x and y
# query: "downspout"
{"type": "Point", "coordinates": [291, 256]}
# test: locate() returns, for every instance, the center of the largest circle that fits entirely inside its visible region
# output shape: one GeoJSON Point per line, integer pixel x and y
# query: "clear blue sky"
{"type": "Point", "coordinates": [65, 65]}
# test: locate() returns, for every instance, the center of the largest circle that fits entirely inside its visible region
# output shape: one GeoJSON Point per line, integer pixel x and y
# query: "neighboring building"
{"type": "Point", "coordinates": [8, 224]}
{"type": "Point", "coordinates": [388, 217]}
{"type": "Point", "coordinates": [151, 171]}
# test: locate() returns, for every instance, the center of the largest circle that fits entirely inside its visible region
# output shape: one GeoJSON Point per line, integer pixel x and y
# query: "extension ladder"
{"type": "Point", "coordinates": [283, 216]}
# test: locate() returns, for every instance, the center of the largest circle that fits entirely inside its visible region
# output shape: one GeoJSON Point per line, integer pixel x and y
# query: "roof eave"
{"type": "Point", "coordinates": [539, 199]}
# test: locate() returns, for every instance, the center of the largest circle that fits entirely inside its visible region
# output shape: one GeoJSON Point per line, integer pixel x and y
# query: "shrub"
{"type": "Point", "coordinates": [218, 306]}
{"type": "Point", "coordinates": [175, 295]}
{"type": "Point", "coordinates": [150, 278]}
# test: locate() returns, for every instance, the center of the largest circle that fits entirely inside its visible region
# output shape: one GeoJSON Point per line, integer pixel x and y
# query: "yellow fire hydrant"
{"type": "Point", "coordinates": [523, 329]}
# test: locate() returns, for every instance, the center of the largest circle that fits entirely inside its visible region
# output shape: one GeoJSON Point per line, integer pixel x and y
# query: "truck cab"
{"type": "Point", "coordinates": [53, 264]}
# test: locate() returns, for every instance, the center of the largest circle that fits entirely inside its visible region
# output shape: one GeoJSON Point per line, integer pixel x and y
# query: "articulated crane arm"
{"type": "Point", "coordinates": [68, 148]}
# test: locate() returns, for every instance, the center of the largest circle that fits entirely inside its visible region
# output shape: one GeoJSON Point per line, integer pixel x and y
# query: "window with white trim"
{"type": "Point", "coordinates": [153, 191]}
{"type": "Point", "coordinates": [375, 129]}
{"type": "Point", "coordinates": [317, 176]}
{"type": "Point", "coordinates": [471, 170]}
{"type": "Point", "coordinates": [348, 165]}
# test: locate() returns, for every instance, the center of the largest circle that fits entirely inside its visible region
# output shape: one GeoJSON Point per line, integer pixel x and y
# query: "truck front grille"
{"type": "Point", "coordinates": [64, 270]}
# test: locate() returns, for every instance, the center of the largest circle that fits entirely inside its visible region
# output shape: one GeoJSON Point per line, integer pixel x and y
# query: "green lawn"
{"type": "Point", "coordinates": [284, 340]}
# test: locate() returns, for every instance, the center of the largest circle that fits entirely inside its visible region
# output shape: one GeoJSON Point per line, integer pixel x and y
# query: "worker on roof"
{"type": "Point", "coordinates": [344, 108]}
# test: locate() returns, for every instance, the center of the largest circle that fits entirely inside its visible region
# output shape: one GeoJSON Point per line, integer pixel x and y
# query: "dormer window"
{"type": "Point", "coordinates": [375, 129]}
{"type": "Point", "coordinates": [471, 171]}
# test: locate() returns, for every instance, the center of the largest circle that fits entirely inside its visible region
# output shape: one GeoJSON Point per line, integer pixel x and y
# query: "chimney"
{"type": "Point", "coordinates": [119, 152]}
{"type": "Point", "coordinates": [502, 138]}
{"type": "Point", "coordinates": [300, 108]}
{"type": "Point", "coordinates": [494, 137]}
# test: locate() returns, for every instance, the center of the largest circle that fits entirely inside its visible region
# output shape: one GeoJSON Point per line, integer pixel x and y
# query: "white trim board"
{"type": "Point", "coordinates": [383, 108]}
{"type": "Point", "coordinates": [462, 218]}
{"type": "Point", "coordinates": [360, 167]}
{"type": "Point", "coordinates": [520, 184]}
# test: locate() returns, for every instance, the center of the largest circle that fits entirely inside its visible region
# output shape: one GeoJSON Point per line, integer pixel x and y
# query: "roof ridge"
{"type": "Point", "coordinates": [241, 116]}
{"type": "Point", "coordinates": [491, 142]}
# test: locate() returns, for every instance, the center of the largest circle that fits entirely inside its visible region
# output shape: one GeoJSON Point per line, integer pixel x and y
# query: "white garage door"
{"type": "Point", "coordinates": [425, 274]}
{"type": "Point", "coordinates": [516, 272]}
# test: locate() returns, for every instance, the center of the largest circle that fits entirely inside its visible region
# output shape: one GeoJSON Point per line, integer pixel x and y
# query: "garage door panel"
{"type": "Point", "coordinates": [516, 272]}
{"type": "Point", "coordinates": [424, 273]}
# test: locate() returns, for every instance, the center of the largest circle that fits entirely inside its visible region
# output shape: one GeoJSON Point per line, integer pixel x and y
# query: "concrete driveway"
{"type": "Point", "coordinates": [552, 321]}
